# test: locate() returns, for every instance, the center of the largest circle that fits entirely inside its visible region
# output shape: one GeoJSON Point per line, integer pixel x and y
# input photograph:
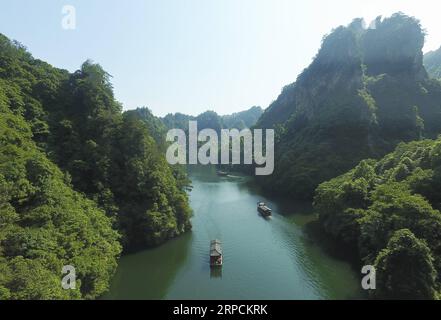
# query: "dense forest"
{"type": "Point", "coordinates": [365, 91]}
{"type": "Point", "coordinates": [80, 180]}
{"type": "Point", "coordinates": [388, 210]}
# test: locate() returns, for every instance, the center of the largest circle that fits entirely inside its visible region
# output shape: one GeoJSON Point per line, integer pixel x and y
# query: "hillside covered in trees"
{"type": "Point", "coordinates": [432, 62]}
{"type": "Point", "coordinates": [366, 91]}
{"type": "Point", "coordinates": [79, 179]}
{"type": "Point", "coordinates": [389, 212]}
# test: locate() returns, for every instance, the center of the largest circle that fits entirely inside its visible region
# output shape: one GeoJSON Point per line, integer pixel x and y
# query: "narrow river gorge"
{"type": "Point", "coordinates": [263, 258]}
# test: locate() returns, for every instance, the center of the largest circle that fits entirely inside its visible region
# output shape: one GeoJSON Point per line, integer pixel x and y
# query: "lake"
{"type": "Point", "coordinates": [263, 258]}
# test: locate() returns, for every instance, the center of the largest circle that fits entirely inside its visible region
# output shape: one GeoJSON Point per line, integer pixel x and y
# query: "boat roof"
{"type": "Point", "coordinates": [215, 248]}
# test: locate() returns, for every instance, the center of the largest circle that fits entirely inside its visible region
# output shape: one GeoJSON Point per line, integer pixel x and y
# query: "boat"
{"type": "Point", "coordinates": [222, 173]}
{"type": "Point", "coordinates": [215, 253]}
{"type": "Point", "coordinates": [264, 209]}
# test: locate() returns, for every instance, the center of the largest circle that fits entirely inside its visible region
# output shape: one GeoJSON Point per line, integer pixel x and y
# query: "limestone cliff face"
{"type": "Point", "coordinates": [365, 91]}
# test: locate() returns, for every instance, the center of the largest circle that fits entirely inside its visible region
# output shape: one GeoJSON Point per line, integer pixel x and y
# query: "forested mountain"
{"type": "Point", "coordinates": [155, 126]}
{"type": "Point", "coordinates": [211, 120]}
{"type": "Point", "coordinates": [432, 62]}
{"type": "Point", "coordinates": [390, 210]}
{"type": "Point", "coordinates": [44, 223]}
{"type": "Point", "coordinates": [365, 92]}
{"type": "Point", "coordinates": [79, 179]}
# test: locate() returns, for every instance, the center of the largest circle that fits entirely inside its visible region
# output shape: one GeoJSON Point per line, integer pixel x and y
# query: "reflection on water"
{"type": "Point", "coordinates": [216, 273]}
{"type": "Point", "coordinates": [148, 274]}
{"type": "Point", "coordinates": [263, 258]}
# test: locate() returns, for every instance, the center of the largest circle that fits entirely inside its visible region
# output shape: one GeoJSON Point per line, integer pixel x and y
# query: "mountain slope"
{"type": "Point", "coordinates": [365, 92]}
{"type": "Point", "coordinates": [432, 62]}
{"type": "Point", "coordinates": [79, 179]}
{"type": "Point", "coordinates": [44, 223]}
{"type": "Point", "coordinates": [389, 211]}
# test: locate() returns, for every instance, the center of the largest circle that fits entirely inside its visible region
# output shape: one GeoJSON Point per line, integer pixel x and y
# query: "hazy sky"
{"type": "Point", "coordinates": [192, 55]}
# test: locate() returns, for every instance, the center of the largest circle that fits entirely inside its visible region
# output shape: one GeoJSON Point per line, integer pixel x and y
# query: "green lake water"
{"type": "Point", "coordinates": [263, 258]}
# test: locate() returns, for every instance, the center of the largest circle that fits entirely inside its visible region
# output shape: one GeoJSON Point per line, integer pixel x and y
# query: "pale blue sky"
{"type": "Point", "coordinates": [192, 55]}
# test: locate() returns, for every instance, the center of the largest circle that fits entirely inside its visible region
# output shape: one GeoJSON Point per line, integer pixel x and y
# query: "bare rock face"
{"type": "Point", "coordinates": [394, 47]}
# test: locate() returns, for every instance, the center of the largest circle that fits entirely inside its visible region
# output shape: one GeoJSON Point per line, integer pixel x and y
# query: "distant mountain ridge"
{"type": "Point", "coordinates": [210, 119]}
{"type": "Point", "coordinates": [432, 62]}
{"type": "Point", "coordinates": [387, 212]}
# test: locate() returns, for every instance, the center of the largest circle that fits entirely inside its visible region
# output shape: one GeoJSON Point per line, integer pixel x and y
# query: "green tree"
{"type": "Point", "coordinates": [404, 269]}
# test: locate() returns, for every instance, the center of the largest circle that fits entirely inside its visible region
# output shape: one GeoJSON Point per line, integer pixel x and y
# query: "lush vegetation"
{"type": "Point", "coordinates": [211, 120]}
{"type": "Point", "coordinates": [365, 92]}
{"type": "Point", "coordinates": [44, 223]}
{"type": "Point", "coordinates": [155, 126]}
{"type": "Point", "coordinates": [79, 179]}
{"type": "Point", "coordinates": [432, 62]}
{"type": "Point", "coordinates": [390, 211]}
